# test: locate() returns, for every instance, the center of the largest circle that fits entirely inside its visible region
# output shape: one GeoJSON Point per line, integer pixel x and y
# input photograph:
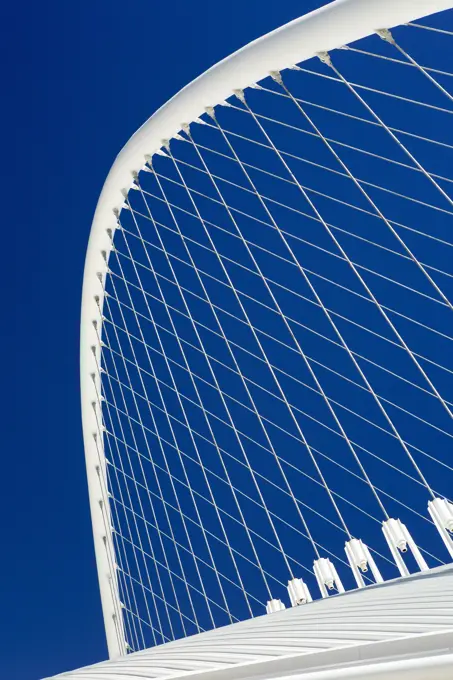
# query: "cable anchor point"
{"type": "Point", "coordinates": [241, 96]}
{"type": "Point", "coordinates": [277, 76]}
{"type": "Point", "coordinates": [360, 559]}
{"type": "Point", "coordinates": [441, 512]}
{"type": "Point", "coordinates": [298, 592]}
{"type": "Point", "coordinates": [210, 111]}
{"type": "Point", "coordinates": [273, 606]}
{"type": "Point", "coordinates": [327, 576]}
{"type": "Point", "coordinates": [325, 58]}
{"type": "Point", "coordinates": [386, 35]}
{"type": "Point", "coordinates": [400, 541]}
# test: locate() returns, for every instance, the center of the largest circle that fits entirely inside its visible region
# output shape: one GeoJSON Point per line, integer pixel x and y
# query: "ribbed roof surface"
{"type": "Point", "coordinates": [400, 609]}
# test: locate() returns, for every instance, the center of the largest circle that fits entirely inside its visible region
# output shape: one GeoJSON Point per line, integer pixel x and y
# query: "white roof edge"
{"type": "Point", "coordinates": [387, 654]}
{"type": "Point", "coordinates": [331, 26]}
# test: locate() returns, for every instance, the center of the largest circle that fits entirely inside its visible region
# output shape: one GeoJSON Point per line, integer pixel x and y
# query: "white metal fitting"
{"type": "Point", "coordinates": [274, 606]}
{"type": "Point", "coordinates": [298, 592]}
{"type": "Point", "coordinates": [357, 550]}
{"type": "Point", "coordinates": [275, 75]}
{"type": "Point", "coordinates": [327, 576]}
{"type": "Point", "coordinates": [444, 511]}
{"type": "Point", "coordinates": [441, 511]}
{"type": "Point", "coordinates": [325, 570]}
{"type": "Point", "coordinates": [399, 540]}
{"type": "Point", "coordinates": [359, 558]}
{"type": "Point", "coordinates": [395, 530]}
{"type": "Point", "coordinates": [386, 35]}
{"type": "Point", "coordinates": [240, 95]}
{"type": "Point", "coordinates": [324, 57]}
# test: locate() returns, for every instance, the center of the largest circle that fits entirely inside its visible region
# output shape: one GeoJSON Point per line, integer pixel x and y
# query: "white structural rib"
{"type": "Point", "coordinates": [330, 27]}
{"type": "Point", "coordinates": [400, 629]}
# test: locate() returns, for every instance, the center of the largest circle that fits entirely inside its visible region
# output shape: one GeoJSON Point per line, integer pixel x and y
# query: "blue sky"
{"type": "Point", "coordinates": [78, 79]}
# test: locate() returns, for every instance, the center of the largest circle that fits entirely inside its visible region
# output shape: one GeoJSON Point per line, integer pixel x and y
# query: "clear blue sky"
{"type": "Point", "coordinates": [77, 79]}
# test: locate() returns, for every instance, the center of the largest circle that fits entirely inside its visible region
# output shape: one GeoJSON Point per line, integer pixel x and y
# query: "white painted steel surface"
{"type": "Point", "coordinates": [406, 623]}
{"type": "Point", "coordinates": [336, 24]}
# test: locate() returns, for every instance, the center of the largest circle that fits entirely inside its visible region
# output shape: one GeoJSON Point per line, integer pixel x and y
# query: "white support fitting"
{"type": "Point", "coordinates": [327, 576]}
{"type": "Point", "coordinates": [441, 512]}
{"type": "Point", "coordinates": [274, 606]}
{"type": "Point", "coordinates": [298, 592]}
{"type": "Point", "coordinates": [359, 557]}
{"type": "Point", "coordinates": [399, 539]}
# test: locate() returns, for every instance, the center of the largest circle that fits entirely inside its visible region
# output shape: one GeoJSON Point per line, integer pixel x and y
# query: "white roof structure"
{"type": "Point", "coordinates": [402, 628]}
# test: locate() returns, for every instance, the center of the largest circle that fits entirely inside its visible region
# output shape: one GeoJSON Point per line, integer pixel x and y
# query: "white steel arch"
{"type": "Point", "coordinates": [334, 25]}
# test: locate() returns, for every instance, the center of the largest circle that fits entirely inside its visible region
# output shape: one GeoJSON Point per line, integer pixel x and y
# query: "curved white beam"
{"type": "Point", "coordinates": [339, 23]}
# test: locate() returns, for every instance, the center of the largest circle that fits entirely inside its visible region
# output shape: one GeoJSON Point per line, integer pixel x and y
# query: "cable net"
{"type": "Point", "coordinates": [276, 359]}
